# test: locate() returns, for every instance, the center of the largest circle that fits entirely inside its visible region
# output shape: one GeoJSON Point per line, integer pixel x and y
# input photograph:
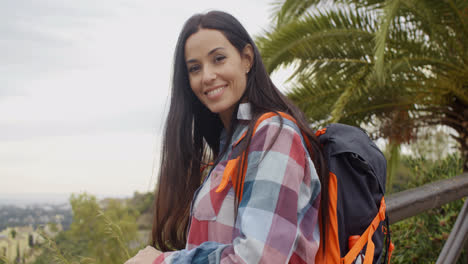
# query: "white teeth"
{"type": "Point", "coordinates": [215, 91]}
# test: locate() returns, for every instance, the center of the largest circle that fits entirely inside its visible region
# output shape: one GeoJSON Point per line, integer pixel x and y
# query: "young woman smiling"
{"type": "Point", "coordinates": [220, 89]}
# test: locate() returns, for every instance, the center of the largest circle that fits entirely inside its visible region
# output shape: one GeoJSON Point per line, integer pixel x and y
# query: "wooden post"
{"type": "Point", "coordinates": [457, 238]}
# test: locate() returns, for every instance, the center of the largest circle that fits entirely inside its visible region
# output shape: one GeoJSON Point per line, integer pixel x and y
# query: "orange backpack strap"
{"type": "Point", "coordinates": [391, 247]}
{"type": "Point", "coordinates": [331, 255]}
{"type": "Point", "coordinates": [233, 165]}
{"type": "Point", "coordinates": [366, 238]}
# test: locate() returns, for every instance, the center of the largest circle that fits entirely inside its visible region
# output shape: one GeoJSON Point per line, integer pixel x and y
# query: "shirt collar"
{"type": "Point", "coordinates": [244, 112]}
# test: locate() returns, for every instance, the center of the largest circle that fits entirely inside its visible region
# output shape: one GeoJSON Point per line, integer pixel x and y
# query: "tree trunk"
{"type": "Point", "coordinates": [464, 146]}
{"type": "Point", "coordinates": [392, 164]}
{"type": "Point", "coordinates": [464, 138]}
{"type": "Point", "coordinates": [460, 110]}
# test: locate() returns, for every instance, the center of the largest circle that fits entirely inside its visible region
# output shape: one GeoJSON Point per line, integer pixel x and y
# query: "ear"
{"type": "Point", "coordinates": [247, 57]}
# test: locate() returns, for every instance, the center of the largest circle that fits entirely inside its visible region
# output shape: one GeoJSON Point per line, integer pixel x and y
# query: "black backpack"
{"type": "Point", "coordinates": [360, 170]}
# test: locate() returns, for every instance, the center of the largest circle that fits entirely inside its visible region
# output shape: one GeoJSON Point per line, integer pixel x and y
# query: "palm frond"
{"type": "Point", "coordinates": [400, 65]}
{"type": "Point", "coordinates": [288, 10]}
{"type": "Point", "coordinates": [318, 38]}
{"type": "Point", "coordinates": [389, 13]}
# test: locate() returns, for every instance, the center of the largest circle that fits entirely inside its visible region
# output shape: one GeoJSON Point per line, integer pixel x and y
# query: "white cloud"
{"type": "Point", "coordinates": [84, 86]}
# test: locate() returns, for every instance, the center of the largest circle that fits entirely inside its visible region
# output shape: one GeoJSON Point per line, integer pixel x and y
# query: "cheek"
{"type": "Point", "coordinates": [197, 90]}
{"type": "Point", "coordinates": [241, 82]}
{"type": "Point", "coordinates": [194, 86]}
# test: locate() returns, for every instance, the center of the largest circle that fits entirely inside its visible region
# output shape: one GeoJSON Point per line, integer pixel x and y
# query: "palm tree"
{"type": "Point", "coordinates": [398, 65]}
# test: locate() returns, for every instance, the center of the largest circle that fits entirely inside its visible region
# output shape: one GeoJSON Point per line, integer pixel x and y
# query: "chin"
{"type": "Point", "coordinates": [218, 109]}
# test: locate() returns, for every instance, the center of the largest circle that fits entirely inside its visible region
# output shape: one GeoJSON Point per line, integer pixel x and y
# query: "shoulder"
{"type": "Point", "coordinates": [280, 122]}
{"type": "Point", "coordinates": [277, 133]}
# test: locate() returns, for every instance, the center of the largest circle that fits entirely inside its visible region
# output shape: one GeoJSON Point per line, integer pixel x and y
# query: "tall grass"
{"type": "Point", "coordinates": [96, 236]}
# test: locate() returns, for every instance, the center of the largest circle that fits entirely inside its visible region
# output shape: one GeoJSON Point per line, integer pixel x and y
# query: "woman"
{"type": "Point", "coordinates": [220, 89]}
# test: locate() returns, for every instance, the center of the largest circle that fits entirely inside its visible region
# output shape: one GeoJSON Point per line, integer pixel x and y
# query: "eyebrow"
{"type": "Point", "coordinates": [209, 53]}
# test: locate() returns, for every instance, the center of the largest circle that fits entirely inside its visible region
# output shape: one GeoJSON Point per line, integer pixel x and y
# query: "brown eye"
{"type": "Point", "coordinates": [194, 68]}
{"type": "Point", "coordinates": [219, 58]}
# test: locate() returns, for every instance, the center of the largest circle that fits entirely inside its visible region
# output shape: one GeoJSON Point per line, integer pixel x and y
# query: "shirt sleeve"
{"type": "Point", "coordinates": [277, 217]}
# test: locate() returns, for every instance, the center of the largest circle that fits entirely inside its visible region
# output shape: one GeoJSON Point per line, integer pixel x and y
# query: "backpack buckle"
{"type": "Point", "coordinates": [320, 132]}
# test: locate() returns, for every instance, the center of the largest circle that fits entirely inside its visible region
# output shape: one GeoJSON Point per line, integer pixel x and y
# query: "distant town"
{"type": "Point", "coordinates": [35, 215]}
{"type": "Point", "coordinates": [27, 221]}
{"type": "Point", "coordinates": [19, 223]}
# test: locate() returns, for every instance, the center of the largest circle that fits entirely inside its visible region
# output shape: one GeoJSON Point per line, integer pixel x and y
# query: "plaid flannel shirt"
{"type": "Point", "coordinates": [277, 220]}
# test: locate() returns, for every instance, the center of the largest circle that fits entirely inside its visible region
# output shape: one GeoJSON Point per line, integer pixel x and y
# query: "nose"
{"type": "Point", "coordinates": [209, 75]}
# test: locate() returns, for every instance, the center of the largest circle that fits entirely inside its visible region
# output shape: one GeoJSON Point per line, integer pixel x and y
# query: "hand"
{"type": "Point", "coordinates": [144, 256]}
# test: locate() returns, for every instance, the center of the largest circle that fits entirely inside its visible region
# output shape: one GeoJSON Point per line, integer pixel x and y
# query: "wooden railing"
{"type": "Point", "coordinates": [411, 202]}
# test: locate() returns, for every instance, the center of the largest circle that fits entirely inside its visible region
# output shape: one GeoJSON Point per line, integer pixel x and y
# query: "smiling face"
{"type": "Point", "coordinates": [217, 71]}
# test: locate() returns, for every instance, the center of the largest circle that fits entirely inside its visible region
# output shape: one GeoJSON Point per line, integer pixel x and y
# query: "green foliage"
{"type": "Point", "coordinates": [420, 239]}
{"type": "Point", "coordinates": [98, 234]}
{"type": "Point", "coordinates": [142, 202]}
{"type": "Point", "coordinates": [397, 65]}
{"type": "Point", "coordinates": [30, 240]}
{"type": "Point", "coordinates": [417, 171]}
{"type": "Point", "coordinates": [18, 254]}
{"type": "Point", "coordinates": [53, 227]}
{"type": "Point", "coordinates": [13, 233]}
{"type": "Point", "coordinates": [53, 254]}
{"type": "Point", "coordinates": [393, 160]}
{"type": "Point", "coordinates": [4, 260]}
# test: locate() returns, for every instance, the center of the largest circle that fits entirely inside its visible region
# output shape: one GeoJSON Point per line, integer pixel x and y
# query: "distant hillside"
{"type": "Point", "coordinates": [22, 199]}
{"type": "Point", "coordinates": [38, 209]}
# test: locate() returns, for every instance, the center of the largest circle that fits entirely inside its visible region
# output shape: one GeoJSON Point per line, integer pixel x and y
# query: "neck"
{"type": "Point", "coordinates": [226, 119]}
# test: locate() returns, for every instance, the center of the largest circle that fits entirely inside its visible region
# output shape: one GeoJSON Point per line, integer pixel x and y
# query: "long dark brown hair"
{"type": "Point", "coordinates": [192, 132]}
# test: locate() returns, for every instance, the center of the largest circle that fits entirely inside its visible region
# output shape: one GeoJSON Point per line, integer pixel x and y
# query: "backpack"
{"type": "Point", "coordinates": [356, 209]}
{"type": "Point", "coordinates": [356, 192]}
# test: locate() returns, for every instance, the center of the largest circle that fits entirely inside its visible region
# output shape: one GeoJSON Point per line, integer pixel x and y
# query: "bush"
{"type": "Point", "coordinates": [98, 234]}
{"type": "Point", "coordinates": [420, 239]}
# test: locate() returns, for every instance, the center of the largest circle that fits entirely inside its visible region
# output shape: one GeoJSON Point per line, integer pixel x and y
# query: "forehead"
{"type": "Point", "coordinates": [203, 41]}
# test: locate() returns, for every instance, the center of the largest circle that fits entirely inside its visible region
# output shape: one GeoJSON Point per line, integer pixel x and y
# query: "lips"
{"type": "Point", "coordinates": [214, 92]}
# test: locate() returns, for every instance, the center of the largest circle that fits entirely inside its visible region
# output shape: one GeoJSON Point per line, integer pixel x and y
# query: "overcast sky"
{"type": "Point", "coordinates": [84, 86]}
